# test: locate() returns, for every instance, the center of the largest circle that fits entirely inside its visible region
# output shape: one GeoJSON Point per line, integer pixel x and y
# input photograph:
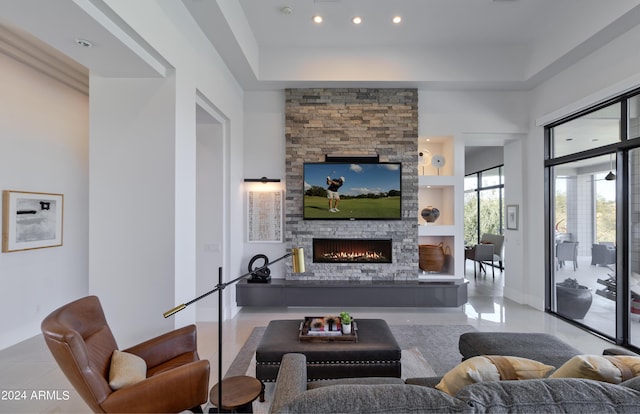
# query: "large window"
{"type": "Point", "coordinates": [483, 204]}
{"type": "Point", "coordinates": [593, 202]}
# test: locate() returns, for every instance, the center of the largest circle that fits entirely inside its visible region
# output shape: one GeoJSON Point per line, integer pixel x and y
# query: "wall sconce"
{"type": "Point", "coordinates": [262, 180]}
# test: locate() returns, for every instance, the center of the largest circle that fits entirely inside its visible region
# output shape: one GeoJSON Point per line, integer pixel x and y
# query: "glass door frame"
{"type": "Point", "coordinates": [621, 150]}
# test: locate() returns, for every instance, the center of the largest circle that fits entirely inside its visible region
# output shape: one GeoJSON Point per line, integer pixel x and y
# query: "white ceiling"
{"type": "Point", "coordinates": [472, 44]}
{"type": "Point", "coordinates": [453, 44]}
{"type": "Point", "coordinates": [425, 22]}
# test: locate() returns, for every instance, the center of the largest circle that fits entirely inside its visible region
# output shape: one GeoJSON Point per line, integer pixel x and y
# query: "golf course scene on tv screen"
{"type": "Point", "coordinates": [352, 191]}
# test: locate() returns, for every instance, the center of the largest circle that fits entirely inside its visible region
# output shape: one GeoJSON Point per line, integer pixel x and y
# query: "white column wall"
{"type": "Point", "coordinates": [184, 276]}
{"type": "Point", "coordinates": [132, 202]}
{"type": "Point", "coordinates": [515, 284]}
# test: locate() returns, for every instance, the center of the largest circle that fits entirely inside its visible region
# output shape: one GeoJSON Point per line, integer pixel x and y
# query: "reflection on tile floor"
{"type": "Point", "coordinates": [29, 365]}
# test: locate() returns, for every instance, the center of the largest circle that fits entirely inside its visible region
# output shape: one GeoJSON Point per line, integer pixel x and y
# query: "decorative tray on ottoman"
{"type": "Point", "coordinates": [326, 329]}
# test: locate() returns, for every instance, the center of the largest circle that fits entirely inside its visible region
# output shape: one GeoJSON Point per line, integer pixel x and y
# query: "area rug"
{"type": "Point", "coordinates": [438, 344]}
{"type": "Point", "coordinates": [427, 350]}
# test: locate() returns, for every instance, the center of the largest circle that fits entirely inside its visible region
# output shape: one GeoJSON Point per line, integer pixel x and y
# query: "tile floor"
{"type": "Point", "coordinates": [29, 367]}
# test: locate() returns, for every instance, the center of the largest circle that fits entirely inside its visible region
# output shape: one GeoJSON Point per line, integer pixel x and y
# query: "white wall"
{"type": "Point", "coordinates": [43, 148]}
{"type": "Point", "coordinates": [482, 117]}
{"type": "Point", "coordinates": [482, 159]}
{"type": "Point", "coordinates": [132, 222]}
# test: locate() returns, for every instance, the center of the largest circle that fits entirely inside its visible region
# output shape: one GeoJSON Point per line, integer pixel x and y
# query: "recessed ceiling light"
{"type": "Point", "coordinates": [317, 19]}
{"type": "Point", "coordinates": [396, 19]}
{"type": "Point", "coordinates": [83, 42]}
{"type": "Point", "coordinates": [286, 10]}
{"type": "Point", "coordinates": [357, 20]}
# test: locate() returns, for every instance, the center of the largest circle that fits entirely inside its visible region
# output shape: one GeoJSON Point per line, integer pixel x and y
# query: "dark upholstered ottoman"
{"type": "Point", "coordinates": [540, 347]}
{"type": "Point", "coordinates": [376, 354]}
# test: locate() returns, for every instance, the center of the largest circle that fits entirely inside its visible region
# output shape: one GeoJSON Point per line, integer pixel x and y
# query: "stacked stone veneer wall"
{"type": "Point", "coordinates": [350, 122]}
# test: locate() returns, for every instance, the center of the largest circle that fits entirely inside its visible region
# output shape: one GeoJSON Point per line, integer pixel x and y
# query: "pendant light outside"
{"type": "Point", "coordinates": [611, 176]}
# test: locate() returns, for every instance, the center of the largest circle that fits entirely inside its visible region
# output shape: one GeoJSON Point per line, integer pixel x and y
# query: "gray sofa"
{"type": "Point", "coordinates": [293, 394]}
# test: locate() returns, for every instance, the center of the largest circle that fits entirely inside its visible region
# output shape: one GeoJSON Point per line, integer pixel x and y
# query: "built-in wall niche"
{"type": "Point", "coordinates": [436, 156]}
{"type": "Point", "coordinates": [440, 197]}
{"type": "Point", "coordinates": [448, 270]}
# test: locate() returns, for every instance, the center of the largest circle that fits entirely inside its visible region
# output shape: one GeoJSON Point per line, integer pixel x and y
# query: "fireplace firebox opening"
{"type": "Point", "coordinates": [352, 250]}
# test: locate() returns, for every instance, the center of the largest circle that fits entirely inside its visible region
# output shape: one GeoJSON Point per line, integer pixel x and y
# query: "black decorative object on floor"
{"type": "Point", "coordinates": [574, 300]}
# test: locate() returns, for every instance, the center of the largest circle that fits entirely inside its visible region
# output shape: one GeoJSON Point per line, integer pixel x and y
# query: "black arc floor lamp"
{"type": "Point", "coordinates": [298, 267]}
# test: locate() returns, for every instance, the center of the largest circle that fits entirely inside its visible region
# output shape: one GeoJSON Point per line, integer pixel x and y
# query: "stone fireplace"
{"type": "Point", "coordinates": [352, 251]}
{"type": "Point", "coordinates": [353, 122]}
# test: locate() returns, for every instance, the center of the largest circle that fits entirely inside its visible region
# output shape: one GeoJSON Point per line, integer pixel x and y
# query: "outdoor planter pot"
{"type": "Point", "coordinates": [573, 302]}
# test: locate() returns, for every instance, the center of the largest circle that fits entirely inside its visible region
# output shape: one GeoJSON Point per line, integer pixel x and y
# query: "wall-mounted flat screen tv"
{"type": "Point", "coordinates": [352, 191]}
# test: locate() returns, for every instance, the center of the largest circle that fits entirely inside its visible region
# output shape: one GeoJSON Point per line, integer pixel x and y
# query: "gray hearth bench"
{"type": "Point", "coordinates": [352, 293]}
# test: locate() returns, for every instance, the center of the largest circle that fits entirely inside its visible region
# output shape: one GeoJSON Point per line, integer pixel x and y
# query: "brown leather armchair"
{"type": "Point", "coordinates": [82, 343]}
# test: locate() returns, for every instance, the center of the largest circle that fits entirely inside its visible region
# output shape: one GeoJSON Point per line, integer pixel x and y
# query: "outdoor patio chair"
{"type": "Point", "coordinates": [567, 251]}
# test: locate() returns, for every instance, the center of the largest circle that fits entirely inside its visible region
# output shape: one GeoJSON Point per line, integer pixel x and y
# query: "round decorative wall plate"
{"type": "Point", "coordinates": [437, 161]}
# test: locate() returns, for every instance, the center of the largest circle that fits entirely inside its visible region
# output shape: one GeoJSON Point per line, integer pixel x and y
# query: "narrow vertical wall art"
{"type": "Point", "coordinates": [264, 216]}
{"type": "Point", "coordinates": [512, 217]}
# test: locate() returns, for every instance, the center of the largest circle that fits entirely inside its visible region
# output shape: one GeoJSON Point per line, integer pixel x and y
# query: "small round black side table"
{"type": "Point", "coordinates": [237, 394]}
